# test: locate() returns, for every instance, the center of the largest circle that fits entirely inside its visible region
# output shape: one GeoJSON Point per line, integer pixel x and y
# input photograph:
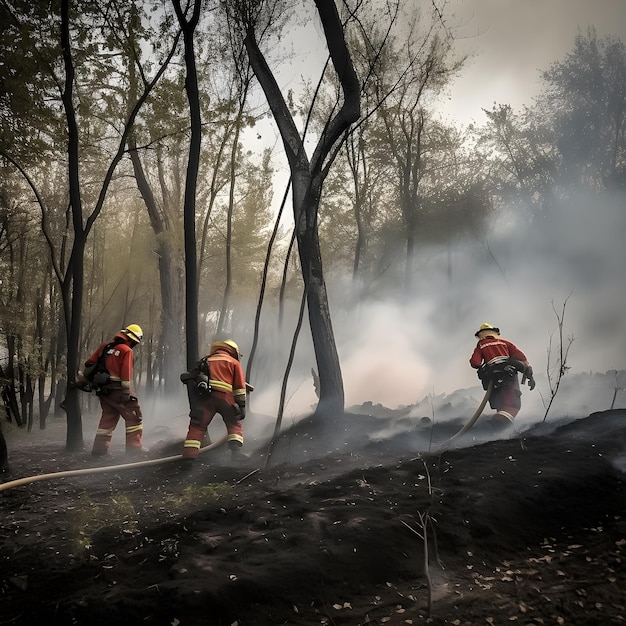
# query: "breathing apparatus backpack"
{"type": "Point", "coordinates": [97, 375]}
{"type": "Point", "coordinates": [198, 377]}
{"type": "Point", "coordinates": [198, 383]}
{"type": "Point", "coordinates": [500, 372]}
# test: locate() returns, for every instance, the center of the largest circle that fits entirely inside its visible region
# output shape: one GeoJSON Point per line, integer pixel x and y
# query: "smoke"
{"type": "Point", "coordinates": [412, 350]}
{"type": "Point", "coordinates": [503, 67]}
{"type": "Point", "coordinates": [402, 350]}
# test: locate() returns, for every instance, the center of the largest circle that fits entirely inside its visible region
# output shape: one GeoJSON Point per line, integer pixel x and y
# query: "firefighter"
{"type": "Point", "coordinates": [499, 360]}
{"type": "Point", "coordinates": [226, 395]}
{"type": "Point", "coordinates": [115, 393]}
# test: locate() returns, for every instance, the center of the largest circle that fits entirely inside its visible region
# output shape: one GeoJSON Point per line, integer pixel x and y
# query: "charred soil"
{"type": "Point", "coordinates": [528, 529]}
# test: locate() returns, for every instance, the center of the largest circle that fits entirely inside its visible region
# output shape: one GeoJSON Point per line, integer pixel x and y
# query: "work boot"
{"type": "Point", "coordinates": [236, 454]}
{"type": "Point", "coordinates": [185, 465]}
{"type": "Point", "coordinates": [500, 422]}
{"type": "Point", "coordinates": [136, 453]}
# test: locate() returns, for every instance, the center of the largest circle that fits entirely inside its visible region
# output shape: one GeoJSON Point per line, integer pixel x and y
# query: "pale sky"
{"type": "Point", "coordinates": [513, 41]}
{"type": "Point", "coordinates": [510, 42]}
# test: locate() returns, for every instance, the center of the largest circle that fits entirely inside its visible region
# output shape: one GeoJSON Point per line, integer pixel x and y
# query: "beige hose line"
{"type": "Point", "coordinates": [150, 462]}
{"type": "Point", "coordinates": [102, 470]}
{"type": "Point", "coordinates": [472, 420]}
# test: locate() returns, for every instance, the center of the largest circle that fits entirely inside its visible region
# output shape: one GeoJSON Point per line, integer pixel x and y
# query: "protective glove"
{"type": "Point", "coordinates": [82, 383]}
{"type": "Point", "coordinates": [125, 396]}
{"type": "Point", "coordinates": [232, 417]}
{"type": "Point", "coordinates": [528, 376]}
{"type": "Point", "coordinates": [241, 411]}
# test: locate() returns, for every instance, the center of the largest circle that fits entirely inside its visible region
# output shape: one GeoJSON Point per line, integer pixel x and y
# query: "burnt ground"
{"type": "Point", "coordinates": [529, 529]}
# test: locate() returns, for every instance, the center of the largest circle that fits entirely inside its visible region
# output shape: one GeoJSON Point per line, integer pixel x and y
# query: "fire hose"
{"type": "Point", "coordinates": [102, 470]}
{"type": "Point", "coordinates": [114, 468]}
{"type": "Point", "coordinates": [527, 376]}
{"type": "Point", "coordinates": [472, 420]}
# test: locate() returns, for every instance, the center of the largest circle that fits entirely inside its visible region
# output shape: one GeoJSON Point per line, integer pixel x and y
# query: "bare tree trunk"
{"type": "Point", "coordinates": [356, 161]}
{"type": "Point", "coordinates": [27, 394]}
{"type": "Point", "coordinates": [193, 165]}
{"type": "Point", "coordinates": [72, 282]}
{"type": "Point", "coordinates": [331, 382]}
{"type": "Point", "coordinates": [72, 288]}
{"type": "Point", "coordinates": [221, 325]}
{"type": "Point", "coordinates": [307, 179]}
{"type": "Point", "coordinates": [9, 390]}
{"type": "Point", "coordinates": [9, 398]}
{"type": "Point", "coordinates": [407, 155]}
{"type": "Point", "coordinates": [4, 452]}
{"type": "Point", "coordinates": [171, 335]}
{"type": "Point", "coordinates": [268, 255]}
{"type": "Point", "coordinates": [43, 401]}
{"type": "Point", "coordinates": [42, 366]}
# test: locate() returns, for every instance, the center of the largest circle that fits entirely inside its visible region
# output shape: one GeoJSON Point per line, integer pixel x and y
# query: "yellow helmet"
{"type": "Point", "coordinates": [231, 347]}
{"type": "Point", "coordinates": [487, 326]}
{"type": "Point", "coordinates": [134, 332]}
{"type": "Point", "coordinates": [232, 344]}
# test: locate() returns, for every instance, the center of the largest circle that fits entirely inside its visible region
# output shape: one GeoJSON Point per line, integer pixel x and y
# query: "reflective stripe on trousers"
{"type": "Point", "coordinates": [217, 402]}
{"type": "Point", "coordinates": [112, 409]}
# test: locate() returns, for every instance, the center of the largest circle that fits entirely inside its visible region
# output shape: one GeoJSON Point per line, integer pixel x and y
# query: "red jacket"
{"type": "Point", "coordinates": [227, 375]}
{"type": "Point", "coordinates": [119, 362]}
{"type": "Point", "coordinates": [492, 347]}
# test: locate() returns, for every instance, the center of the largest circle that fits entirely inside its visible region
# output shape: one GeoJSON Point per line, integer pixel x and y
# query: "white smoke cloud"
{"type": "Point", "coordinates": [397, 351]}
{"type": "Point", "coordinates": [400, 351]}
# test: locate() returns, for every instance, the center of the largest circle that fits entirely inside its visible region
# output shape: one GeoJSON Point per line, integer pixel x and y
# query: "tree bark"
{"type": "Point", "coordinates": [4, 452]}
{"type": "Point", "coordinates": [193, 165]}
{"type": "Point", "coordinates": [72, 288]}
{"type": "Point", "coordinates": [307, 180]}
{"type": "Point", "coordinates": [222, 322]}
{"type": "Point", "coordinates": [171, 335]}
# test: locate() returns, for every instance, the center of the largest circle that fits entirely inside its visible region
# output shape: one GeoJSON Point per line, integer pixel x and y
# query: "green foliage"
{"type": "Point", "coordinates": [520, 158]}
{"type": "Point", "coordinates": [30, 54]}
{"type": "Point", "coordinates": [585, 102]}
{"type": "Point", "coordinates": [573, 138]}
{"type": "Point", "coordinates": [199, 495]}
{"type": "Point", "coordinates": [117, 512]}
{"type": "Point", "coordinates": [90, 516]}
{"type": "Point", "coordinates": [404, 179]}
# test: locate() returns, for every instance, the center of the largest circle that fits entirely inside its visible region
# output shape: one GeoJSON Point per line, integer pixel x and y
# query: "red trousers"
{"type": "Point", "coordinates": [112, 409]}
{"type": "Point", "coordinates": [506, 400]}
{"type": "Point", "coordinates": [218, 402]}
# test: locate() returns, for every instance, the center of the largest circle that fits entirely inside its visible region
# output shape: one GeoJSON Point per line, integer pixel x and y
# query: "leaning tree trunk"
{"type": "Point", "coordinates": [169, 278]}
{"type": "Point", "coordinates": [331, 402]}
{"type": "Point", "coordinates": [308, 177]}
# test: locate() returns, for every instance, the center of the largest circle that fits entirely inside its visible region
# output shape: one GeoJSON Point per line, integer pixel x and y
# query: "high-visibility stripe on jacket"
{"type": "Point", "coordinates": [227, 375]}
{"type": "Point", "coordinates": [492, 347]}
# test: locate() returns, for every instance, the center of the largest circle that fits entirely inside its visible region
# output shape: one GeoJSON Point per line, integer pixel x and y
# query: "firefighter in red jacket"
{"type": "Point", "coordinates": [226, 396]}
{"type": "Point", "coordinates": [115, 392]}
{"type": "Point", "coordinates": [499, 360]}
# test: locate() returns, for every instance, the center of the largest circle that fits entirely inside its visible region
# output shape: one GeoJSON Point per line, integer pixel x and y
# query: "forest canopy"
{"type": "Point", "coordinates": [95, 201]}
